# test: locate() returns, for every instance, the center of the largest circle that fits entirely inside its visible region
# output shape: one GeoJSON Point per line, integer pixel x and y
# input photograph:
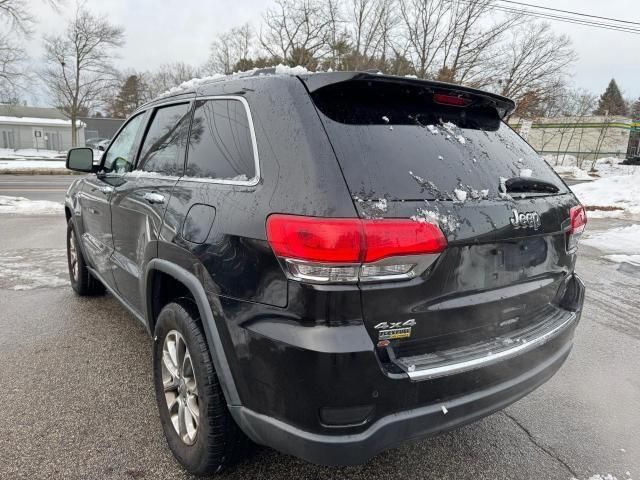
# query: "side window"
{"type": "Point", "coordinates": [220, 145]}
{"type": "Point", "coordinates": [120, 156]}
{"type": "Point", "coordinates": [164, 145]}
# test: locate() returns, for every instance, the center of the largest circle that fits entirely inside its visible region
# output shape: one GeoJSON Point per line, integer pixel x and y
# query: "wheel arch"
{"type": "Point", "coordinates": [195, 290]}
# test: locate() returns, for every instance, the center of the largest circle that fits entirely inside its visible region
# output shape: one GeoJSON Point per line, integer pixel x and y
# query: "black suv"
{"type": "Point", "coordinates": [329, 264]}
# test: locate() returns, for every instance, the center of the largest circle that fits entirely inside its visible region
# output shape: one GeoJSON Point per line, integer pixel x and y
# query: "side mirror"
{"type": "Point", "coordinates": [80, 160]}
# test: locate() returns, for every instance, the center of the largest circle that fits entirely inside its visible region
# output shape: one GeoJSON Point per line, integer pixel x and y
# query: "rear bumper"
{"type": "Point", "coordinates": [391, 430]}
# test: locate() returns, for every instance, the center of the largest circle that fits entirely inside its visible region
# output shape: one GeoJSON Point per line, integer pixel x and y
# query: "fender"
{"type": "Point", "coordinates": [208, 322]}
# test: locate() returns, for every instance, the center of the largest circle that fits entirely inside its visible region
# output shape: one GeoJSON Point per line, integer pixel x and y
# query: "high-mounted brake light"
{"type": "Point", "coordinates": [452, 100]}
{"type": "Point", "coordinates": [350, 249]}
{"type": "Point", "coordinates": [577, 224]}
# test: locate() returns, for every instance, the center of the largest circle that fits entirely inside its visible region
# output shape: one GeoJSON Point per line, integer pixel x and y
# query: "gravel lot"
{"type": "Point", "coordinates": [78, 401]}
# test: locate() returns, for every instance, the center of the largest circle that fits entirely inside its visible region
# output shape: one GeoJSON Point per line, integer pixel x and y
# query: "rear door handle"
{"type": "Point", "coordinates": [153, 197]}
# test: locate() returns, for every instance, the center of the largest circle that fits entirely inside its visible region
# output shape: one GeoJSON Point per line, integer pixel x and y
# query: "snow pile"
{"type": "Point", "coordinates": [31, 165]}
{"type": "Point", "coordinates": [196, 82]}
{"type": "Point", "coordinates": [561, 160]}
{"type": "Point", "coordinates": [461, 195]}
{"type": "Point", "coordinates": [620, 244]}
{"type": "Point", "coordinates": [567, 167]}
{"type": "Point", "coordinates": [21, 205]}
{"type": "Point", "coordinates": [447, 222]}
{"type": "Point", "coordinates": [611, 166]}
{"type": "Point", "coordinates": [191, 84]}
{"type": "Point", "coordinates": [572, 172]}
{"type": "Point", "coordinates": [606, 476]}
{"type": "Point", "coordinates": [27, 269]}
{"type": "Point", "coordinates": [285, 70]}
{"type": "Point", "coordinates": [610, 196]}
{"type": "Point", "coordinates": [25, 153]}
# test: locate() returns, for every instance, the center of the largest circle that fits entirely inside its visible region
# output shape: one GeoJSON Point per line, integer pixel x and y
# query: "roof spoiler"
{"type": "Point", "coordinates": [316, 81]}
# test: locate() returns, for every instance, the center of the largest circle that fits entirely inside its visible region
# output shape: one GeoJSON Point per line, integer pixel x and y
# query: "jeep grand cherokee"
{"type": "Point", "coordinates": [329, 264]}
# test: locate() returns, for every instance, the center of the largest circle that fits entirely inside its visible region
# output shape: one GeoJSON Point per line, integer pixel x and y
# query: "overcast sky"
{"type": "Point", "coordinates": [162, 31]}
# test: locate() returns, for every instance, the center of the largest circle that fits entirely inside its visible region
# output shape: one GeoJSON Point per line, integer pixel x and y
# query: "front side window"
{"type": "Point", "coordinates": [220, 144]}
{"type": "Point", "coordinates": [164, 145]}
{"type": "Point", "coordinates": [120, 156]}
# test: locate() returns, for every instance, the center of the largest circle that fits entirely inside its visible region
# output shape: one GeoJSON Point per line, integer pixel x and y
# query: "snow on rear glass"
{"type": "Point", "coordinates": [433, 152]}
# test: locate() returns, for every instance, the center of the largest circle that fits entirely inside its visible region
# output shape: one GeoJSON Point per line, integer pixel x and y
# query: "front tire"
{"type": "Point", "coordinates": [198, 427]}
{"type": "Point", "coordinates": [82, 282]}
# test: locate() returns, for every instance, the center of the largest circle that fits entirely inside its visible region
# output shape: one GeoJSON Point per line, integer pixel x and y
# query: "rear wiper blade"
{"type": "Point", "coordinates": [529, 185]}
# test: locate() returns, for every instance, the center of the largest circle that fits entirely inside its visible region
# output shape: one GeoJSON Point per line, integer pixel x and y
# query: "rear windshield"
{"type": "Point", "coordinates": [394, 141]}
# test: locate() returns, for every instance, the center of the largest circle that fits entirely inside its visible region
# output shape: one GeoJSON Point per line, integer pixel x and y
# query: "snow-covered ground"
{"type": "Point", "coordinates": [614, 196]}
{"type": "Point", "coordinates": [26, 153]}
{"type": "Point", "coordinates": [620, 244]}
{"type": "Point", "coordinates": [572, 172]}
{"type": "Point", "coordinates": [24, 206]}
{"type": "Point", "coordinates": [567, 167]}
{"type": "Point", "coordinates": [27, 269]}
{"type": "Point", "coordinates": [607, 476]}
{"type": "Point", "coordinates": [31, 164]}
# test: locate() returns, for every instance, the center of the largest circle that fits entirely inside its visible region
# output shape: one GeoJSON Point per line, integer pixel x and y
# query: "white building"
{"type": "Point", "coordinates": [36, 127]}
{"type": "Point", "coordinates": [582, 137]}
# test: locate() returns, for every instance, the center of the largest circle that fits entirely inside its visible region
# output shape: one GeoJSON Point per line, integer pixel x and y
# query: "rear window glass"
{"type": "Point", "coordinates": [393, 141]}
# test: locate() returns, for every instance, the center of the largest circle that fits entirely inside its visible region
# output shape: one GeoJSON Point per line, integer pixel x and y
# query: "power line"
{"type": "Point", "coordinates": [570, 12]}
{"type": "Point", "coordinates": [561, 18]}
{"type": "Point", "coordinates": [575, 21]}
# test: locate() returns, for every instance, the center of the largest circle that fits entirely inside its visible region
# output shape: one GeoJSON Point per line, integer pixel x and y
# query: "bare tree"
{"type": "Point", "coordinates": [471, 42]}
{"type": "Point", "coordinates": [297, 31]}
{"type": "Point", "coordinates": [12, 68]}
{"type": "Point", "coordinates": [533, 65]}
{"type": "Point", "coordinates": [229, 49]}
{"type": "Point", "coordinates": [425, 30]}
{"type": "Point", "coordinates": [16, 24]}
{"type": "Point", "coordinates": [372, 26]}
{"type": "Point", "coordinates": [16, 14]}
{"type": "Point", "coordinates": [79, 64]}
{"type": "Point", "coordinates": [578, 105]}
{"type": "Point", "coordinates": [169, 75]}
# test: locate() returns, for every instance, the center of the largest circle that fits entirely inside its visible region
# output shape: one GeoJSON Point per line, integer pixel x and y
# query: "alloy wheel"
{"type": "Point", "coordinates": [180, 387]}
{"type": "Point", "coordinates": [73, 255]}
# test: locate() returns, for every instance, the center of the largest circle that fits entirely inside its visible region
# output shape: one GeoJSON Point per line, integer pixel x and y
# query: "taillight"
{"type": "Point", "coordinates": [329, 250]}
{"type": "Point", "coordinates": [577, 224]}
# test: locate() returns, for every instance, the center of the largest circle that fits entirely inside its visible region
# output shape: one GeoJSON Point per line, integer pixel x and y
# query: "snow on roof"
{"type": "Point", "coordinates": [279, 69]}
{"type": "Point", "coordinates": [38, 121]}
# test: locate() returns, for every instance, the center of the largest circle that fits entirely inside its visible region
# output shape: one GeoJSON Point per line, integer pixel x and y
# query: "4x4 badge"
{"type": "Point", "coordinates": [524, 220]}
{"type": "Point", "coordinates": [394, 330]}
{"type": "Point", "coordinates": [392, 325]}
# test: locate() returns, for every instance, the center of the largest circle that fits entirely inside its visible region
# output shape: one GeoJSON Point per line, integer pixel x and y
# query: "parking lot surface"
{"type": "Point", "coordinates": [78, 402]}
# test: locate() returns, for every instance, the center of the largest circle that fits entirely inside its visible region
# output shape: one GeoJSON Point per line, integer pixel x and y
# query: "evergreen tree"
{"type": "Point", "coordinates": [132, 94]}
{"type": "Point", "coordinates": [635, 109]}
{"type": "Point", "coordinates": [611, 101]}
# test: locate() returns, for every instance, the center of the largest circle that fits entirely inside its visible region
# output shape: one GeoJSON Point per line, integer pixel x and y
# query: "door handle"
{"type": "Point", "coordinates": [153, 197]}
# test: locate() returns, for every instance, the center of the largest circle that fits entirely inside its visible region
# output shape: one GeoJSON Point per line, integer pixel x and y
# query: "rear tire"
{"type": "Point", "coordinates": [198, 427]}
{"type": "Point", "coordinates": [82, 282]}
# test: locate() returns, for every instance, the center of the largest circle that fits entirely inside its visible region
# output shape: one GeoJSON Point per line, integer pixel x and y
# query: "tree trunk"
{"type": "Point", "coordinates": [74, 131]}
